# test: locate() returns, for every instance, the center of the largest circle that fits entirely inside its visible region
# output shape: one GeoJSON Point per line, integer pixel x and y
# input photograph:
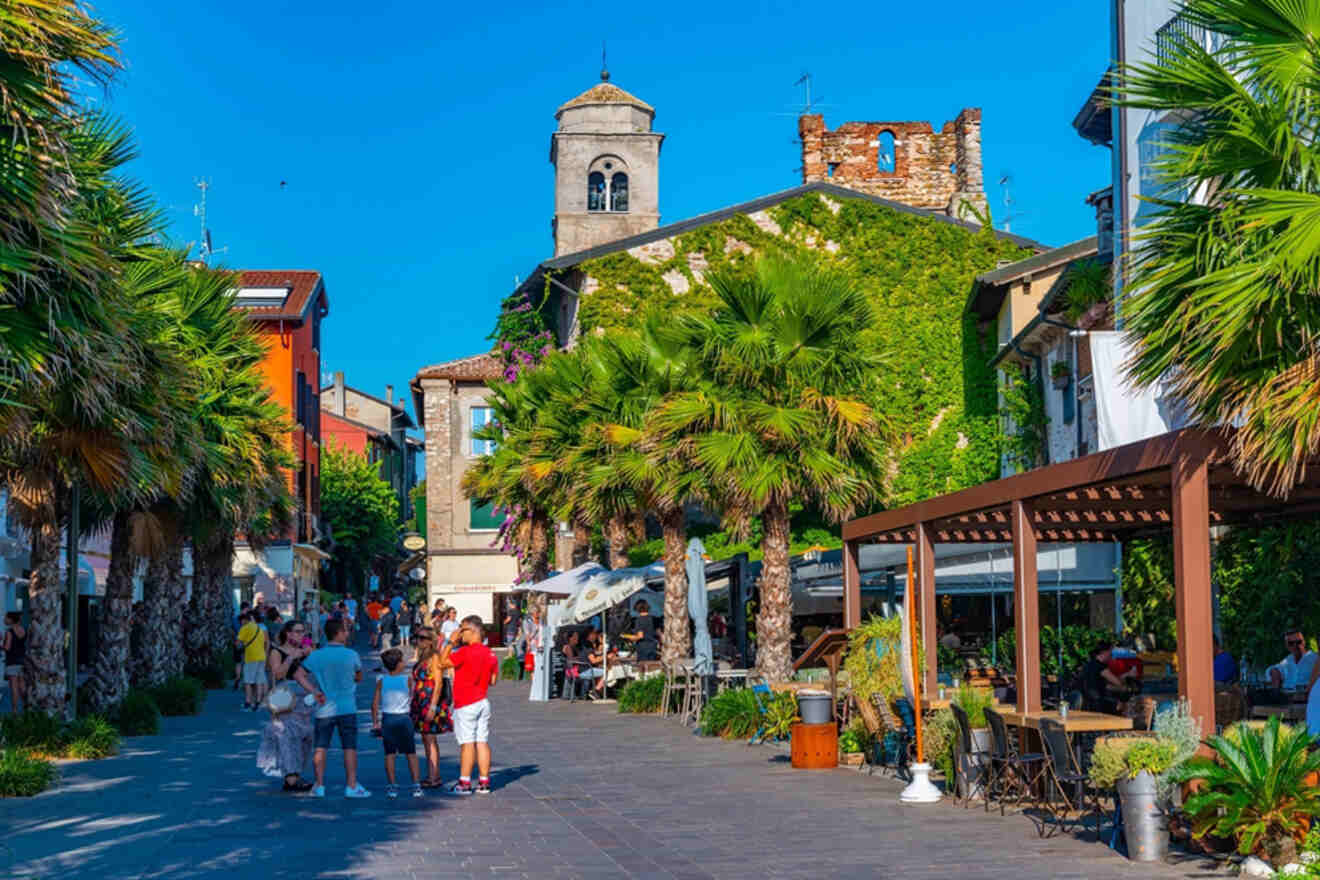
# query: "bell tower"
{"type": "Point", "coordinates": [607, 168]}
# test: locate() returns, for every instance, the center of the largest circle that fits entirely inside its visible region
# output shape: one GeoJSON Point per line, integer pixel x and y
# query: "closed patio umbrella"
{"type": "Point", "coordinates": [698, 607]}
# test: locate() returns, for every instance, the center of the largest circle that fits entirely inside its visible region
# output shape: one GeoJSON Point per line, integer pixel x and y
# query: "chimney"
{"type": "Point", "coordinates": [339, 393]}
{"type": "Point", "coordinates": [389, 394]}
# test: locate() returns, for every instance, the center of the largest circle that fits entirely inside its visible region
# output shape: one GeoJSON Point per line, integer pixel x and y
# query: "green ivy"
{"type": "Point", "coordinates": [1148, 604]}
{"type": "Point", "coordinates": [937, 392]}
{"type": "Point", "coordinates": [1023, 412]}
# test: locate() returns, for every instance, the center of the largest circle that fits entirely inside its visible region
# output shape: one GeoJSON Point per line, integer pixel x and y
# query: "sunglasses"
{"type": "Point", "coordinates": [1293, 643]}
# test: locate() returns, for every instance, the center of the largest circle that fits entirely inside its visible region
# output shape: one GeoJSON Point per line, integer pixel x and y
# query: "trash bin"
{"type": "Point", "coordinates": [815, 707]}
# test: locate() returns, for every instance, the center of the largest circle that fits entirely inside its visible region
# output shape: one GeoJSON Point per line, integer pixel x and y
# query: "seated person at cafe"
{"type": "Point", "coordinates": [1097, 679]}
{"type": "Point", "coordinates": [1226, 669]}
{"type": "Point", "coordinates": [642, 634]}
{"type": "Point", "coordinates": [1293, 671]}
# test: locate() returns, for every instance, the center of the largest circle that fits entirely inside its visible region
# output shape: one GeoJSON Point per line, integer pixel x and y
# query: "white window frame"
{"type": "Point", "coordinates": [487, 446]}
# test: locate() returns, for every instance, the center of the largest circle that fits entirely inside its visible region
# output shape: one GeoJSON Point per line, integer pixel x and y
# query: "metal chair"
{"type": "Point", "coordinates": [898, 735]}
{"type": "Point", "coordinates": [1013, 774]}
{"type": "Point", "coordinates": [978, 758]}
{"type": "Point", "coordinates": [760, 693]}
{"type": "Point", "coordinates": [1067, 788]}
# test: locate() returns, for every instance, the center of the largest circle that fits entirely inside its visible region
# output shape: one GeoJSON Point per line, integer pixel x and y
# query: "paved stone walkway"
{"type": "Point", "coordinates": [581, 792]}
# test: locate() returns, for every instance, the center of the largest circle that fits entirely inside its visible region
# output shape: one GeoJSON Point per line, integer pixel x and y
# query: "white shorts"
{"type": "Point", "coordinates": [472, 722]}
{"type": "Point", "coordinates": [254, 672]}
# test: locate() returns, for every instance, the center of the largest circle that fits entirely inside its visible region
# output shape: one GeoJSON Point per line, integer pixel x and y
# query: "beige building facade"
{"type": "Point", "coordinates": [462, 566]}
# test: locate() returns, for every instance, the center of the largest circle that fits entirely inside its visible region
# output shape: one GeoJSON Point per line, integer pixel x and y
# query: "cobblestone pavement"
{"type": "Point", "coordinates": [580, 791]}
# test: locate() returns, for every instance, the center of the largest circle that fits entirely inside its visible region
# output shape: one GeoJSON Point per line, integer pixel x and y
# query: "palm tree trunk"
{"type": "Point", "coordinates": [176, 598]}
{"type": "Point", "coordinates": [110, 670]}
{"type": "Point", "coordinates": [152, 667]}
{"type": "Point", "coordinates": [538, 546]}
{"type": "Point", "coordinates": [677, 638]}
{"type": "Point", "coordinates": [581, 543]}
{"type": "Point", "coordinates": [47, 685]}
{"type": "Point", "coordinates": [215, 624]}
{"type": "Point", "coordinates": [194, 622]}
{"type": "Point", "coordinates": [617, 529]}
{"type": "Point", "coordinates": [774, 622]}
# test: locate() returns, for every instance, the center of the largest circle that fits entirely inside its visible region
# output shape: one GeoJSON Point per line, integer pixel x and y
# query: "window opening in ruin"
{"type": "Point", "coordinates": [596, 191]}
{"type": "Point", "coordinates": [884, 159]}
{"type": "Point", "coordinates": [953, 167]}
{"type": "Point", "coordinates": [829, 172]}
{"type": "Point", "coordinates": [619, 192]}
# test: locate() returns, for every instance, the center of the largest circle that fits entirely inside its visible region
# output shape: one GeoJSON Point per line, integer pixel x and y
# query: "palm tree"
{"type": "Point", "coordinates": [778, 416]}
{"type": "Point", "coordinates": [49, 275]}
{"type": "Point", "coordinates": [1220, 299]}
{"type": "Point", "coordinates": [635, 374]}
{"type": "Point", "coordinates": [85, 429]}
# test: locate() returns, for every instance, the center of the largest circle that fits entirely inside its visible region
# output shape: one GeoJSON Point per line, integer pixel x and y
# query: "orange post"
{"type": "Point", "coordinates": [917, 666]}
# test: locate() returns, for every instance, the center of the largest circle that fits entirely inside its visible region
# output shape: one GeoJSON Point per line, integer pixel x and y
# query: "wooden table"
{"type": "Point", "coordinates": [1078, 721]}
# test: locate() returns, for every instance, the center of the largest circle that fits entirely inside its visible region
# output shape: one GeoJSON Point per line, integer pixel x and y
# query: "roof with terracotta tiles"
{"type": "Point", "coordinates": [303, 285]}
{"type": "Point", "coordinates": [605, 93]}
{"type": "Point", "coordinates": [477, 367]}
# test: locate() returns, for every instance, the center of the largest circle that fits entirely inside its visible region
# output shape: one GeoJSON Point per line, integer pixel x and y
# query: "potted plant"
{"type": "Point", "coordinates": [1133, 766]}
{"type": "Point", "coordinates": [974, 701]}
{"type": "Point", "coordinates": [1061, 373]}
{"type": "Point", "coordinates": [853, 744]}
{"type": "Point", "coordinates": [1255, 790]}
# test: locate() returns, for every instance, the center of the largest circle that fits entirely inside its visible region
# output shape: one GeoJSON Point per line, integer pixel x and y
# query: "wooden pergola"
{"type": "Point", "coordinates": [1180, 482]}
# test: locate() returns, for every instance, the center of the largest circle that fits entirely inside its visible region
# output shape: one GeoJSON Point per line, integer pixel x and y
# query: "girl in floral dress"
{"type": "Point", "coordinates": [430, 702]}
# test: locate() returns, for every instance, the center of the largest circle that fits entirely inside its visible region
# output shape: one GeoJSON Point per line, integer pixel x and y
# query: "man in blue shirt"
{"type": "Point", "coordinates": [337, 669]}
{"type": "Point", "coordinates": [1226, 669]}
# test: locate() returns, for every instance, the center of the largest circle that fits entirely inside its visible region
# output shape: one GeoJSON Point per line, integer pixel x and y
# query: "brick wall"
{"type": "Point", "coordinates": [935, 170]}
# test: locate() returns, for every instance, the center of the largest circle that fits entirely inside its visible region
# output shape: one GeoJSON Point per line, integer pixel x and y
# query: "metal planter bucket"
{"type": "Point", "coordinates": [970, 768]}
{"type": "Point", "coordinates": [815, 707]}
{"type": "Point", "coordinates": [1144, 824]}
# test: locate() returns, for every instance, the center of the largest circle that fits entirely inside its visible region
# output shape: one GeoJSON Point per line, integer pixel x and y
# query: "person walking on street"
{"type": "Point", "coordinates": [475, 670]}
{"type": "Point", "coordinates": [286, 742]}
{"type": "Point", "coordinates": [530, 640]}
{"type": "Point", "coordinates": [15, 645]}
{"type": "Point", "coordinates": [430, 702]}
{"type": "Point", "coordinates": [337, 669]}
{"type": "Point", "coordinates": [450, 626]}
{"type": "Point", "coordinates": [390, 709]}
{"type": "Point", "coordinates": [403, 626]}
{"type": "Point", "coordinates": [252, 639]}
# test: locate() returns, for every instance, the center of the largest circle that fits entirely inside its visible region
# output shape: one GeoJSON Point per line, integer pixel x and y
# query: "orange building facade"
{"type": "Point", "coordinates": [287, 308]}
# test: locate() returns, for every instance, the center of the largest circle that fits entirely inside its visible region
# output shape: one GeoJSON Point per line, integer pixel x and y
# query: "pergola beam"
{"type": "Point", "coordinates": [1026, 609]}
{"type": "Point", "coordinates": [1191, 588]}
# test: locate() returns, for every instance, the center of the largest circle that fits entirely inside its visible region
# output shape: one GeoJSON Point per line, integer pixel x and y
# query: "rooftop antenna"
{"type": "Point", "coordinates": [805, 81]}
{"type": "Point", "coordinates": [205, 250]}
{"type": "Point", "coordinates": [1006, 183]}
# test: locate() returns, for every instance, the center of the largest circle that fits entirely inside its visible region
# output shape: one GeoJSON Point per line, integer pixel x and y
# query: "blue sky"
{"type": "Point", "coordinates": [414, 136]}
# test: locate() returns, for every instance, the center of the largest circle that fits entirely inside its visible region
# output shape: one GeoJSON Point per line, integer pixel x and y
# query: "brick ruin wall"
{"type": "Point", "coordinates": [938, 171]}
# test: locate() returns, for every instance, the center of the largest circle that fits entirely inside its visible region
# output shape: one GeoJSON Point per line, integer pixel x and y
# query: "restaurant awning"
{"type": "Point", "coordinates": [1181, 482]}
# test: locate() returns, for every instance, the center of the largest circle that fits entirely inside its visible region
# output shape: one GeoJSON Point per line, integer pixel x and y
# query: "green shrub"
{"type": "Point", "coordinates": [872, 658]}
{"type": "Point", "coordinates": [856, 738]}
{"type": "Point", "coordinates": [732, 714]}
{"type": "Point", "coordinates": [179, 695]}
{"type": "Point", "coordinates": [974, 701]}
{"type": "Point", "coordinates": [781, 713]}
{"type": "Point", "coordinates": [33, 730]}
{"type": "Point", "coordinates": [211, 671]}
{"type": "Point", "coordinates": [642, 695]}
{"type": "Point", "coordinates": [941, 735]}
{"type": "Point", "coordinates": [22, 774]}
{"type": "Point", "coordinates": [1255, 790]}
{"type": "Point", "coordinates": [1120, 758]}
{"type": "Point", "coordinates": [509, 668]}
{"type": "Point", "coordinates": [92, 737]}
{"type": "Point", "coordinates": [137, 715]}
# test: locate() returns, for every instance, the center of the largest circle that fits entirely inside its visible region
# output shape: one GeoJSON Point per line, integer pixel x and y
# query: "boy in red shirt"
{"type": "Point", "coordinates": [475, 670]}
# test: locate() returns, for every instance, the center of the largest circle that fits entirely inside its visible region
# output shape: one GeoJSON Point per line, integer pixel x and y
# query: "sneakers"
{"type": "Point", "coordinates": [483, 786]}
{"type": "Point", "coordinates": [417, 791]}
{"type": "Point", "coordinates": [356, 791]}
{"type": "Point", "coordinates": [318, 791]}
{"type": "Point", "coordinates": [461, 788]}
{"type": "Point", "coordinates": [391, 791]}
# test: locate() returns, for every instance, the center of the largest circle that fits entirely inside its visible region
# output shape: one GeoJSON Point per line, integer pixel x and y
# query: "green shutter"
{"type": "Point", "coordinates": [483, 516]}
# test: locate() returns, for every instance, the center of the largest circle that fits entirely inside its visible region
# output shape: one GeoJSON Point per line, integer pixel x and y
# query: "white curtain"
{"type": "Point", "coordinates": [1124, 412]}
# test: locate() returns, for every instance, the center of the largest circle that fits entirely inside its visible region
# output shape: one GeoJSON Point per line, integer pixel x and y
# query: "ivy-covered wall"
{"type": "Point", "coordinates": [938, 393]}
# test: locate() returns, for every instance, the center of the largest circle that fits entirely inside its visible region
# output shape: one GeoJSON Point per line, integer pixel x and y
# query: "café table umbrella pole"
{"type": "Point", "coordinates": [921, 790]}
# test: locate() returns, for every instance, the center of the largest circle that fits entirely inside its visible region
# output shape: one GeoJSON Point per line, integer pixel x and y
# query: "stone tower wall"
{"type": "Point", "coordinates": [935, 170]}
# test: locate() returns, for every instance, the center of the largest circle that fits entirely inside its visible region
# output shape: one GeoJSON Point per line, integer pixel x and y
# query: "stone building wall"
{"type": "Point", "coordinates": [936, 170]}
